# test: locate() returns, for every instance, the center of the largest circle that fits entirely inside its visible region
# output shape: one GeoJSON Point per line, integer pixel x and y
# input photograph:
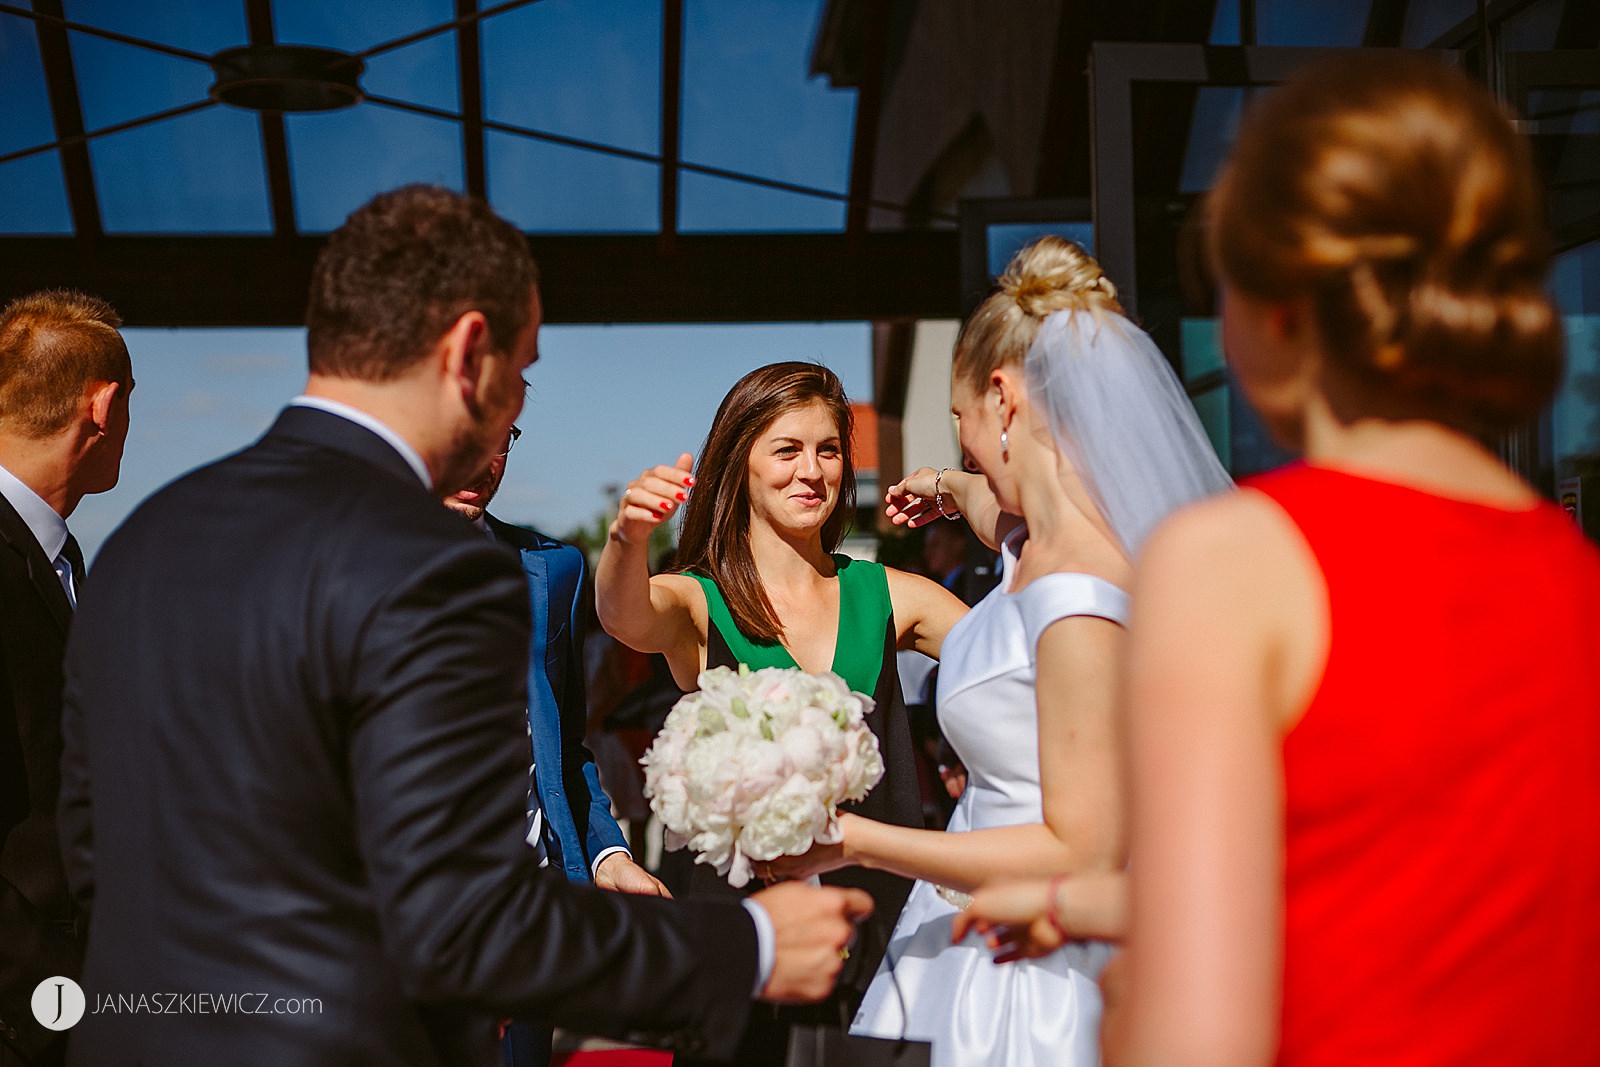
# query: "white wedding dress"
{"type": "Point", "coordinates": [1044, 1011]}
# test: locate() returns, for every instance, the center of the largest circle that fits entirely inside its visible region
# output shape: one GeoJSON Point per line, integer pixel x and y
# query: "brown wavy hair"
{"type": "Point", "coordinates": [1051, 274]}
{"type": "Point", "coordinates": [1395, 194]}
{"type": "Point", "coordinates": [715, 538]}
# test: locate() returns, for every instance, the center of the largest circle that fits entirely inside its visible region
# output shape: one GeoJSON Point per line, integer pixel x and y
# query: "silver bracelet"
{"type": "Point", "coordinates": [938, 496]}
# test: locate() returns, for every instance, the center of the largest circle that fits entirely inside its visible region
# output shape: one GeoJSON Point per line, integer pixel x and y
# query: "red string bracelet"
{"type": "Point", "coordinates": [1051, 913]}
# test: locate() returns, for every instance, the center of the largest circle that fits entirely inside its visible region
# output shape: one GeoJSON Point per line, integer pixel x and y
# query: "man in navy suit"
{"type": "Point", "coordinates": [570, 824]}
{"type": "Point", "coordinates": [294, 779]}
{"type": "Point", "coordinates": [64, 384]}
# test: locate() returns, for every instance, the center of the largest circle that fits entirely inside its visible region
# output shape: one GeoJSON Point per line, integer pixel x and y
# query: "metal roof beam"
{"type": "Point", "coordinates": [469, 65]}
{"type": "Point", "coordinates": [61, 81]}
{"type": "Point", "coordinates": [262, 281]}
{"type": "Point", "coordinates": [274, 139]}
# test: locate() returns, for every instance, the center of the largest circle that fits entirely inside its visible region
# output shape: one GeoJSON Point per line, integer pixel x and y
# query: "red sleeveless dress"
{"type": "Point", "coordinates": [1442, 791]}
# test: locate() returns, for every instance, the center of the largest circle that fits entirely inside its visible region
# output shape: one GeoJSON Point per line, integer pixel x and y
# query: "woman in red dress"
{"type": "Point", "coordinates": [1364, 704]}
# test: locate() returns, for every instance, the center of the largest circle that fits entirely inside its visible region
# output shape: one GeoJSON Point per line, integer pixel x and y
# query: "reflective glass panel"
{"type": "Point", "coordinates": [197, 25]}
{"type": "Point", "coordinates": [1534, 27]}
{"type": "Point", "coordinates": [720, 204]}
{"type": "Point", "coordinates": [589, 69]}
{"type": "Point", "coordinates": [1006, 239]}
{"type": "Point", "coordinates": [1575, 416]}
{"type": "Point", "coordinates": [197, 173]}
{"type": "Point", "coordinates": [33, 196]}
{"type": "Point", "coordinates": [341, 159]}
{"type": "Point", "coordinates": [555, 189]}
{"type": "Point", "coordinates": [750, 105]}
{"type": "Point", "coordinates": [1217, 110]}
{"type": "Point", "coordinates": [421, 73]}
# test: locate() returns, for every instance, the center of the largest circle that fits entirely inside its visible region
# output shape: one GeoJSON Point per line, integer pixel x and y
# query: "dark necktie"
{"type": "Point", "coordinates": [74, 556]}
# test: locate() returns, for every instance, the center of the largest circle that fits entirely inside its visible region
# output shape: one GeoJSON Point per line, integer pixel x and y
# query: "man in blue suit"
{"type": "Point", "coordinates": [569, 817]}
{"type": "Point", "coordinates": [570, 824]}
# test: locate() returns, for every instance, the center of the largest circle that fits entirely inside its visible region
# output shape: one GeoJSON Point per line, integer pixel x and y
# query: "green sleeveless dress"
{"type": "Point", "coordinates": [864, 656]}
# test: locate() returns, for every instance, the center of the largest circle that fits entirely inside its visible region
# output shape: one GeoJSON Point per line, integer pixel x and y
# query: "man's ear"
{"type": "Point", "coordinates": [464, 346]}
{"type": "Point", "coordinates": [101, 397]}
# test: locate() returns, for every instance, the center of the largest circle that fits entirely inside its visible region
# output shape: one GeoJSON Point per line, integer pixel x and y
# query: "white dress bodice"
{"type": "Point", "coordinates": [1034, 1011]}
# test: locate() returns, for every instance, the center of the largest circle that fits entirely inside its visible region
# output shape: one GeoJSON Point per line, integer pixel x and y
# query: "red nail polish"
{"type": "Point", "coordinates": [683, 496]}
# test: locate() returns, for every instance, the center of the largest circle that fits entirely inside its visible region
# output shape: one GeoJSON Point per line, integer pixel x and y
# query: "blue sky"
{"type": "Point", "coordinates": [605, 402]}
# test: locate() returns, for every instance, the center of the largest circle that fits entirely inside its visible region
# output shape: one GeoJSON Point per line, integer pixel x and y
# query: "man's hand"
{"type": "Point", "coordinates": [813, 928]}
{"type": "Point", "coordinates": [618, 873]}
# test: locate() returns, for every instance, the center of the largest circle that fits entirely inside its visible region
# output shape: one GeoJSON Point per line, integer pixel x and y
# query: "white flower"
{"type": "Point", "coordinates": [753, 765]}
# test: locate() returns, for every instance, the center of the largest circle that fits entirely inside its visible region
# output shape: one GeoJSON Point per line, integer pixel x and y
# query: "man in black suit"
{"type": "Point", "coordinates": [296, 743]}
{"type": "Point", "coordinates": [64, 384]}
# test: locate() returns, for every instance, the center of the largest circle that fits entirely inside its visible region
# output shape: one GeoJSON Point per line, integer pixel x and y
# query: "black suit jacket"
{"type": "Point", "coordinates": [37, 917]}
{"type": "Point", "coordinates": [296, 766]}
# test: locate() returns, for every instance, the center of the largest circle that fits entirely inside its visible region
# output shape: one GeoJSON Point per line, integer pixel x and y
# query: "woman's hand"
{"type": "Point", "coordinates": [818, 859]}
{"type": "Point", "coordinates": [911, 499]}
{"type": "Point", "coordinates": [650, 500]}
{"type": "Point", "coordinates": [1013, 917]}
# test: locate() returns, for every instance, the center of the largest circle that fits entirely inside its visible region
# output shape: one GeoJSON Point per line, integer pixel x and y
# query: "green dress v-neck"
{"type": "Point", "coordinates": [864, 607]}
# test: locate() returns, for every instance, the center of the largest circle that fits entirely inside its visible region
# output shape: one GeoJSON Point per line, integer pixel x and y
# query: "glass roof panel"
{"type": "Point", "coordinates": [550, 188]}
{"type": "Point", "coordinates": [750, 105]}
{"type": "Point", "coordinates": [33, 198]}
{"type": "Point", "coordinates": [197, 173]}
{"type": "Point", "coordinates": [198, 25]}
{"type": "Point", "coordinates": [341, 159]}
{"type": "Point", "coordinates": [707, 203]}
{"type": "Point", "coordinates": [1428, 20]}
{"type": "Point", "coordinates": [421, 73]}
{"type": "Point", "coordinates": [1323, 23]}
{"type": "Point", "coordinates": [356, 25]}
{"type": "Point", "coordinates": [589, 69]}
{"type": "Point", "coordinates": [25, 120]}
{"type": "Point", "coordinates": [118, 82]}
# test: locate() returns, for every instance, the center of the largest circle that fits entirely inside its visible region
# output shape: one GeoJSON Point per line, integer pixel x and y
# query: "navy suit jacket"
{"type": "Point", "coordinates": [577, 810]}
{"type": "Point", "coordinates": [37, 916]}
{"type": "Point", "coordinates": [296, 767]}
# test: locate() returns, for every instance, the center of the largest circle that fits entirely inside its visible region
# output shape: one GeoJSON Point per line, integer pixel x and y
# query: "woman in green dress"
{"type": "Point", "coordinates": [759, 583]}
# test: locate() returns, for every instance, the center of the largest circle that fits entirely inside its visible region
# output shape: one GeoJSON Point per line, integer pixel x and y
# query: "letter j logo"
{"type": "Point", "coordinates": [58, 1003]}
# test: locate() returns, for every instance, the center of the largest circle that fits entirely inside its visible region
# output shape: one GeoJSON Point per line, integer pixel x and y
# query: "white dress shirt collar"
{"type": "Point", "coordinates": [333, 407]}
{"type": "Point", "coordinates": [46, 524]}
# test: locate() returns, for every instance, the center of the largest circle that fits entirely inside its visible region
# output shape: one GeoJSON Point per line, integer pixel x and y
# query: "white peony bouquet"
{"type": "Point", "coordinates": [755, 764]}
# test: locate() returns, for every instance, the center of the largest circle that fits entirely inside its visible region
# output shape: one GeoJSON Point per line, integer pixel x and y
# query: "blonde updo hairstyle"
{"type": "Point", "coordinates": [1049, 275]}
{"type": "Point", "coordinates": [1394, 194]}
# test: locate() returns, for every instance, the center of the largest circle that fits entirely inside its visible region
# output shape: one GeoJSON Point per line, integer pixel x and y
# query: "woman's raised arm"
{"type": "Point", "coordinates": [645, 613]}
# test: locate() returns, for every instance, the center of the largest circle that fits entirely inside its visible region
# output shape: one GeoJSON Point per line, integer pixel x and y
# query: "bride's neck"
{"type": "Point", "coordinates": [1066, 532]}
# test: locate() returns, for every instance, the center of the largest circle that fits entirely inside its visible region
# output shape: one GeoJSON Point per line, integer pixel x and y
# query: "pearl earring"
{"type": "Point", "coordinates": [1005, 445]}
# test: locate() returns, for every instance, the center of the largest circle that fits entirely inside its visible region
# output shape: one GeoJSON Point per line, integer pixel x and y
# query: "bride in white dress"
{"type": "Point", "coordinates": [1082, 440]}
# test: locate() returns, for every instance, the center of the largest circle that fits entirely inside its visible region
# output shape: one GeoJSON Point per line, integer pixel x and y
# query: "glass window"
{"type": "Point", "coordinates": [589, 69]}
{"type": "Point", "coordinates": [1006, 239]}
{"type": "Point", "coordinates": [1217, 110]}
{"type": "Point", "coordinates": [196, 173]}
{"type": "Point", "coordinates": [341, 159]}
{"type": "Point", "coordinates": [750, 105]}
{"type": "Point", "coordinates": [1533, 28]}
{"type": "Point", "coordinates": [550, 188]}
